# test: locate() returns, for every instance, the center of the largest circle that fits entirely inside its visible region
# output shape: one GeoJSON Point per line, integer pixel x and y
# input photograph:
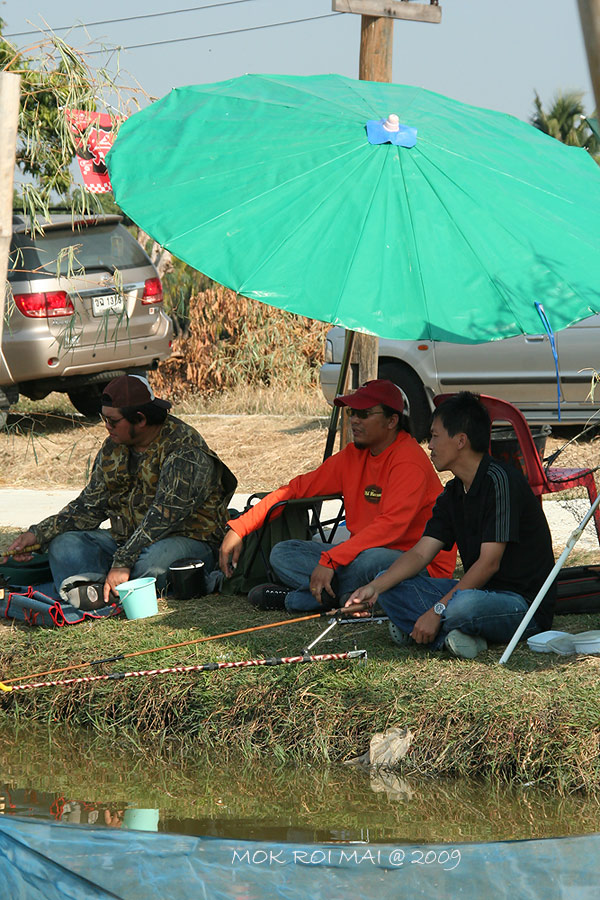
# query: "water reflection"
{"type": "Point", "coordinates": [72, 776]}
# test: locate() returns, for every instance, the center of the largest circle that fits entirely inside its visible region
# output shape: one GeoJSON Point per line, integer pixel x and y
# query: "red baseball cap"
{"type": "Point", "coordinates": [130, 390]}
{"type": "Point", "coordinates": [380, 390]}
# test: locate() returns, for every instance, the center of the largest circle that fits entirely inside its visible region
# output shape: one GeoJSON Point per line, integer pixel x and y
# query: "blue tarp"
{"type": "Point", "coordinates": [49, 861]}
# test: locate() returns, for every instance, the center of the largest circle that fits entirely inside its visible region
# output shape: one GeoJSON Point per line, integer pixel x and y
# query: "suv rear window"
{"type": "Point", "coordinates": [102, 248]}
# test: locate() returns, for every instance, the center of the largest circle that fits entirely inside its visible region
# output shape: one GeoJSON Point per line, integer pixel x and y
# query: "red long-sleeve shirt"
{"type": "Point", "coordinates": [388, 500]}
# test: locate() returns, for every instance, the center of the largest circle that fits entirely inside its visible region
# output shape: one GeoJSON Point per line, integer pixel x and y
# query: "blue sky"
{"type": "Point", "coordinates": [493, 54]}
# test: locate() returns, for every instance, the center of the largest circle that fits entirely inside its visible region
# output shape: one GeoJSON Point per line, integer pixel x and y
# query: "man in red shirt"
{"type": "Point", "coordinates": [389, 488]}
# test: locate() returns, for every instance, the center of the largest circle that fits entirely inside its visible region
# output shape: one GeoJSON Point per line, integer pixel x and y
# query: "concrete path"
{"type": "Point", "coordinates": [20, 508]}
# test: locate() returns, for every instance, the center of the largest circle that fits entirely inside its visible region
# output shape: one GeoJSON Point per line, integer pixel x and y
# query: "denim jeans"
{"type": "Point", "coordinates": [493, 615]}
{"type": "Point", "coordinates": [90, 554]}
{"type": "Point", "coordinates": [293, 563]}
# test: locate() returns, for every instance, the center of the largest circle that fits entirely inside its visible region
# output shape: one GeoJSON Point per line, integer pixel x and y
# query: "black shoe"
{"type": "Point", "coordinates": [268, 596]}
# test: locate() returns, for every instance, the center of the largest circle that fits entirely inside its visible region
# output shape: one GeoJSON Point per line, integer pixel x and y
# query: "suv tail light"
{"type": "Point", "coordinates": [153, 292]}
{"type": "Point", "coordinates": [49, 304]}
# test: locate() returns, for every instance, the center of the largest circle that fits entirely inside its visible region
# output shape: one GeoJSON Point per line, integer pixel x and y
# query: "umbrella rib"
{"type": "Point", "coordinates": [300, 223]}
{"type": "Point", "coordinates": [270, 190]}
{"type": "Point", "coordinates": [493, 285]}
{"type": "Point", "coordinates": [299, 89]}
{"type": "Point", "coordinates": [444, 206]}
{"type": "Point", "coordinates": [348, 84]}
{"type": "Point", "coordinates": [471, 161]}
{"type": "Point", "coordinates": [412, 233]}
{"type": "Point", "coordinates": [194, 179]}
{"type": "Point", "coordinates": [357, 242]}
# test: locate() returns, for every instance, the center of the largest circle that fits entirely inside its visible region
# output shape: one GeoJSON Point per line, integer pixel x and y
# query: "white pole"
{"type": "Point", "coordinates": [544, 588]}
{"type": "Point", "coordinates": [9, 120]}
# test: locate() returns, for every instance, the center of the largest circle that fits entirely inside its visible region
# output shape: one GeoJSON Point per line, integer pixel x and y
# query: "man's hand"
{"type": "Point", "coordinates": [426, 627]}
{"type": "Point", "coordinates": [230, 553]}
{"type": "Point", "coordinates": [18, 548]}
{"type": "Point", "coordinates": [320, 581]}
{"type": "Point", "coordinates": [114, 578]}
{"type": "Point", "coordinates": [366, 594]}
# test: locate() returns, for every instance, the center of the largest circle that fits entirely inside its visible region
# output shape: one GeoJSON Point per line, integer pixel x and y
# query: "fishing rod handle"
{"type": "Point", "coordinates": [364, 606]}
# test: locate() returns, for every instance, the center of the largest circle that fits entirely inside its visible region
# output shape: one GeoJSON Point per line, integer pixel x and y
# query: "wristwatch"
{"type": "Point", "coordinates": [439, 608]}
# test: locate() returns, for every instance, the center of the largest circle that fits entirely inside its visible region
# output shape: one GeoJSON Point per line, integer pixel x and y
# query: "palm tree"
{"type": "Point", "coordinates": [565, 120]}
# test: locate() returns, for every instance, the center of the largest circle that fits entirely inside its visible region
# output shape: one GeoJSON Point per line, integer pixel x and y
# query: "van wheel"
{"type": "Point", "coordinates": [415, 399]}
{"type": "Point", "coordinates": [87, 400]}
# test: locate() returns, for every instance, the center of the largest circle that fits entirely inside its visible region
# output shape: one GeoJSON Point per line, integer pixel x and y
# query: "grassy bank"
{"type": "Point", "coordinates": [534, 721]}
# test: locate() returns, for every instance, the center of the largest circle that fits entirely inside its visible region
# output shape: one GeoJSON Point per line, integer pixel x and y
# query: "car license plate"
{"type": "Point", "coordinates": [107, 303]}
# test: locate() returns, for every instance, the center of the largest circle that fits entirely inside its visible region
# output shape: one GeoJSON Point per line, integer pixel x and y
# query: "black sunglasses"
{"type": "Point", "coordinates": [364, 413]}
{"type": "Point", "coordinates": [112, 423]}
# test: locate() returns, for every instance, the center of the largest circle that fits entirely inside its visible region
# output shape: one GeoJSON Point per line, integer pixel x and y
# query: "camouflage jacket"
{"type": "Point", "coordinates": [177, 486]}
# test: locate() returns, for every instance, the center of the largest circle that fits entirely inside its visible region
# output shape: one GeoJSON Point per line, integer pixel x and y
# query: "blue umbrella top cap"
{"type": "Point", "coordinates": [390, 131]}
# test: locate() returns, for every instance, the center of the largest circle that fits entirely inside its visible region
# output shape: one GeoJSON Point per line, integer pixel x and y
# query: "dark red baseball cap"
{"type": "Point", "coordinates": [130, 390]}
{"type": "Point", "coordinates": [380, 390]}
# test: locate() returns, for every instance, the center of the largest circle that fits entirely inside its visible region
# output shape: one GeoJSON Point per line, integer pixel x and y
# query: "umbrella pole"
{"type": "Point", "coordinates": [546, 585]}
{"type": "Point", "coordinates": [335, 412]}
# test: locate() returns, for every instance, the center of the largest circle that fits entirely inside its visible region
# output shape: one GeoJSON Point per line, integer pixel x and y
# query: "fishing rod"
{"type": "Point", "coordinates": [4, 686]}
{"type": "Point", "coordinates": [5, 554]}
{"type": "Point", "coordinates": [182, 670]}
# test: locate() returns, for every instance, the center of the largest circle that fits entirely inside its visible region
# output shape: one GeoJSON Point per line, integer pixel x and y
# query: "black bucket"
{"type": "Point", "coordinates": [505, 446]}
{"type": "Point", "coordinates": [187, 578]}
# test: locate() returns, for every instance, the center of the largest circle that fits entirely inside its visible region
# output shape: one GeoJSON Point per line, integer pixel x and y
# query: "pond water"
{"type": "Point", "coordinates": [73, 776]}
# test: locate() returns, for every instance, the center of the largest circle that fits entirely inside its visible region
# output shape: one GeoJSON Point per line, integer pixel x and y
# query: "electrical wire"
{"type": "Point", "coordinates": [199, 37]}
{"type": "Point", "coordinates": [172, 12]}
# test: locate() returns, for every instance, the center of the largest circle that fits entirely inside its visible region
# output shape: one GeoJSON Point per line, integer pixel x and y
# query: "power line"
{"type": "Point", "coordinates": [172, 12]}
{"type": "Point", "coordinates": [199, 37]}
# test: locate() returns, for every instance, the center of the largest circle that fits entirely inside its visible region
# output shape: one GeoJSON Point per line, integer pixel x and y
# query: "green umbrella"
{"type": "Point", "coordinates": [270, 185]}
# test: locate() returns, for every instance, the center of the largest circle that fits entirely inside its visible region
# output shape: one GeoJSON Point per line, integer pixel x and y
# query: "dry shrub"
{"type": "Point", "coordinates": [235, 341]}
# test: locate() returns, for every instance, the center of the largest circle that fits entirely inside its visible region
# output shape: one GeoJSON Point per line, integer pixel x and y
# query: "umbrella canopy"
{"type": "Point", "coordinates": [271, 186]}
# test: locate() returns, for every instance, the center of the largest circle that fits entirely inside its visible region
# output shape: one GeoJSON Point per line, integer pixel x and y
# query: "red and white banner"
{"type": "Point", "coordinates": [95, 135]}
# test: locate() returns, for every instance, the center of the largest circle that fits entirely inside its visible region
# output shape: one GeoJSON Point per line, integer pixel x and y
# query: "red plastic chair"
{"type": "Point", "coordinates": [541, 481]}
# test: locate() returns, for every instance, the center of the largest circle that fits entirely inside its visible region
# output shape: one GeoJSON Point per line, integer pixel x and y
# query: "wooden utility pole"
{"type": "Point", "coordinates": [375, 64]}
{"type": "Point", "coordinates": [589, 13]}
{"type": "Point", "coordinates": [9, 120]}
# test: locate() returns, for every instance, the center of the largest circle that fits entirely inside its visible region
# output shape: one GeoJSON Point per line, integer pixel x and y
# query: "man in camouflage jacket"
{"type": "Point", "coordinates": [163, 490]}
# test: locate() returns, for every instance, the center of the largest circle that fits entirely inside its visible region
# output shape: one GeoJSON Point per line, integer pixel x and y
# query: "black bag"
{"type": "Point", "coordinates": [253, 564]}
{"type": "Point", "coordinates": [578, 590]}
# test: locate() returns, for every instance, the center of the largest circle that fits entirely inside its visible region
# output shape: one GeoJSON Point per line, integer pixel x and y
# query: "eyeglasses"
{"type": "Point", "coordinates": [112, 423]}
{"type": "Point", "coordinates": [365, 413]}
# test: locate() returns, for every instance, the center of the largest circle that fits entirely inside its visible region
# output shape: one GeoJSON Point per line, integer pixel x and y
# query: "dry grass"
{"type": "Point", "coordinates": [55, 450]}
{"type": "Point", "coordinates": [258, 400]}
{"type": "Point", "coordinates": [284, 434]}
{"type": "Point", "coordinates": [264, 451]}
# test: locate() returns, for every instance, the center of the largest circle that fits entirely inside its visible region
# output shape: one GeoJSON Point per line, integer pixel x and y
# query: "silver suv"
{"type": "Point", "coordinates": [84, 305]}
{"type": "Point", "coordinates": [520, 370]}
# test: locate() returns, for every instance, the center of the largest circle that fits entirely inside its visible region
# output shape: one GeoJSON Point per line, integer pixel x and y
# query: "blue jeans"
{"type": "Point", "coordinates": [90, 554]}
{"type": "Point", "coordinates": [493, 615]}
{"type": "Point", "coordinates": [293, 563]}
